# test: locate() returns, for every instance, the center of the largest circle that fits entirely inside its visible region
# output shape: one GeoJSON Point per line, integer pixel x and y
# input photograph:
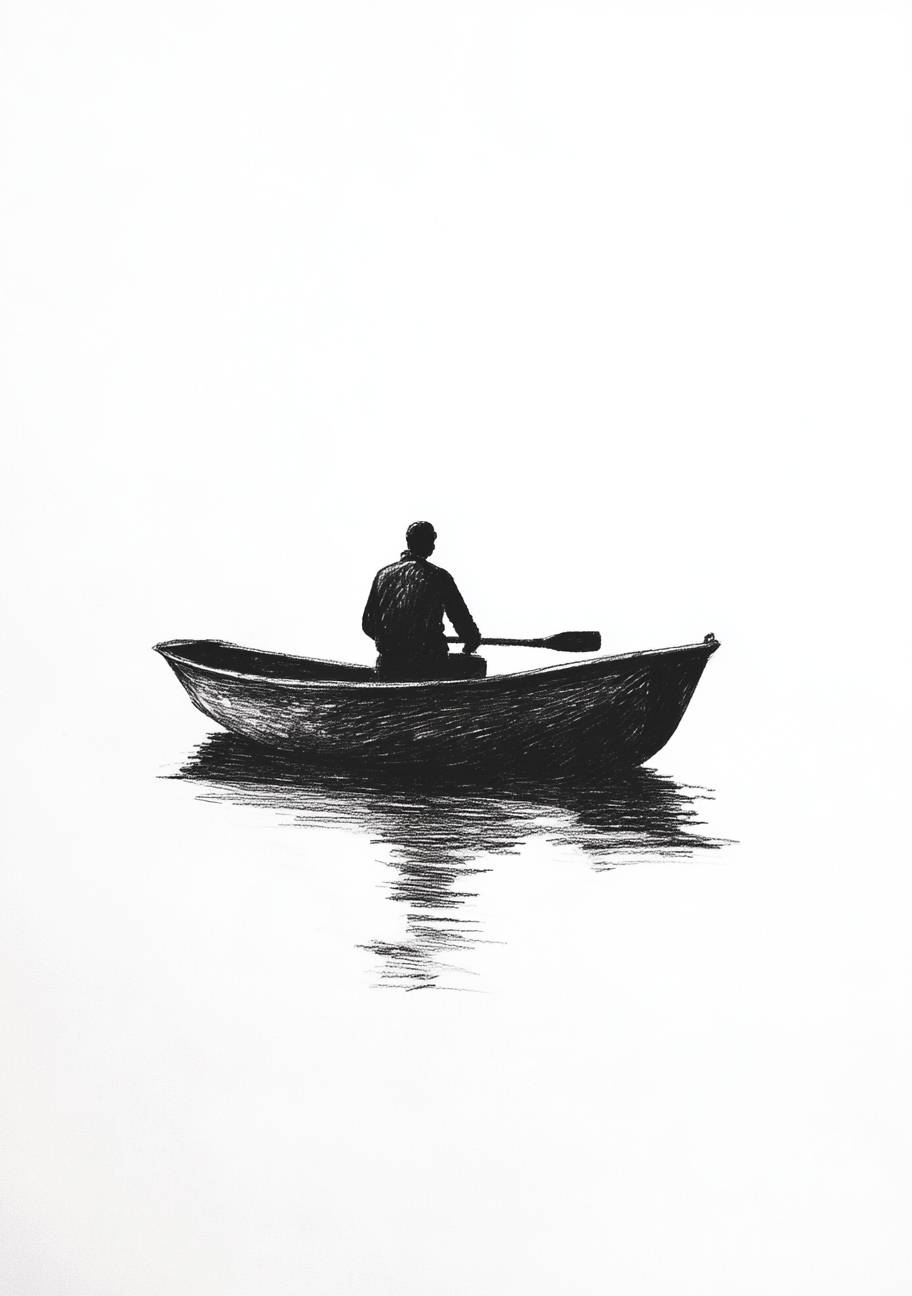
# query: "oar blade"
{"type": "Point", "coordinates": [574, 641]}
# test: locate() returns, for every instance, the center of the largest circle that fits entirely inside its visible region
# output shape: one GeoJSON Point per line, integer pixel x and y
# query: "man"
{"type": "Point", "coordinates": [405, 611]}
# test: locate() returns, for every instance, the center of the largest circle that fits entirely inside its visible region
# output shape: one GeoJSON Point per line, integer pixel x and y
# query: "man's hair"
{"type": "Point", "coordinates": [420, 538]}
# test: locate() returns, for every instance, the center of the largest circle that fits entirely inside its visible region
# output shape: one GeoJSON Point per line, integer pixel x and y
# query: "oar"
{"type": "Point", "coordinates": [569, 641]}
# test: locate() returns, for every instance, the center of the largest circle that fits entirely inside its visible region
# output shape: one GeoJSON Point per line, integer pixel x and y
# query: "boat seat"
{"type": "Point", "coordinates": [457, 666]}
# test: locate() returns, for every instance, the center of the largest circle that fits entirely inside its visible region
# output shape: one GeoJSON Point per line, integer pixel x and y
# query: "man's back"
{"type": "Point", "coordinates": [405, 610]}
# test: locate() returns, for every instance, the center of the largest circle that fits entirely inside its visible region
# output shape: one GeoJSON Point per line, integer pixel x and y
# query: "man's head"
{"type": "Point", "coordinates": [421, 538]}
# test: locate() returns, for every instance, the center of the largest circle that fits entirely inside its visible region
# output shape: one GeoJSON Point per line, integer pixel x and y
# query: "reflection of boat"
{"type": "Point", "coordinates": [448, 819]}
{"type": "Point", "coordinates": [440, 831]}
{"type": "Point", "coordinates": [622, 709]}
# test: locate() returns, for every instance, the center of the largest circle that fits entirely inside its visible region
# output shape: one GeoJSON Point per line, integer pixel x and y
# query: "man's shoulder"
{"type": "Point", "coordinates": [429, 569]}
{"type": "Point", "coordinates": [394, 571]}
{"type": "Point", "coordinates": [439, 573]}
{"type": "Point", "coordinates": [440, 579]}
{"type": "Point", "coordinates": [392, 567]}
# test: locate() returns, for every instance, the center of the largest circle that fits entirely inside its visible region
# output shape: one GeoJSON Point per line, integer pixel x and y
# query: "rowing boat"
{"type": "Point", "coordinates": [619, 709]}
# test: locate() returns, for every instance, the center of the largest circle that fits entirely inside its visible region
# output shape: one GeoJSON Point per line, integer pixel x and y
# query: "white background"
{"type": "Point", "coordinates": [617, 296]}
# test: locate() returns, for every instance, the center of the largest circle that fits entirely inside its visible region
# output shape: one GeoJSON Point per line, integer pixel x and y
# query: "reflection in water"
{"type": "Point", "coordinates": [438, 826]}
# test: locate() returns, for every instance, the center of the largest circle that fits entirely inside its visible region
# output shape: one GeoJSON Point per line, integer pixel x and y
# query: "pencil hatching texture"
{"type": "Point", "coordinates": [406, 606]}
{"type": "Point", "coordinates": [447, 774]}
{"type": "Point", "coordinates": [618, 708]}
{"type": "Point", "coordinates": [442, 831]}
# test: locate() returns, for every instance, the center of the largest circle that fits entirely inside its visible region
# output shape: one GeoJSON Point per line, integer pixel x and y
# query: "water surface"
{"type": "Point", "coordinates": [439, 832]}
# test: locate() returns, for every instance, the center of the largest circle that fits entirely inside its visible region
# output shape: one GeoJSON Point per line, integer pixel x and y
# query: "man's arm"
{"type": "Point", "coordinates": [370, 619]}
{"type": "Point", "coordinates": [455, 608]}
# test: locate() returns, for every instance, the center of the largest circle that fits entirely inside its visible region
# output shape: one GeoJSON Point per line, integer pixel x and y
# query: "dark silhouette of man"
{"type": "Point", "coordinates": [404, 616]}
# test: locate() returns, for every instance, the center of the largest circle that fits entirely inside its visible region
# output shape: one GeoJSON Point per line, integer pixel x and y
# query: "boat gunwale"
{"type": "Point", "coordinates": [167, 650]}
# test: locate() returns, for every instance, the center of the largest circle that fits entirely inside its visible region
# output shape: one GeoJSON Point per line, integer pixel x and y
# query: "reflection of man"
{"type": "Point", "coordinates": [405, 611]}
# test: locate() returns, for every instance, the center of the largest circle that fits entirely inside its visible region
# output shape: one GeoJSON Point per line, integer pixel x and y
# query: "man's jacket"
{"type": "Point", "coordinates": [406, 606]}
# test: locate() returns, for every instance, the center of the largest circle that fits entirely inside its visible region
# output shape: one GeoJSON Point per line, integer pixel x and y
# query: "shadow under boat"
{"type": "Point", "coordinates": [441, 830]}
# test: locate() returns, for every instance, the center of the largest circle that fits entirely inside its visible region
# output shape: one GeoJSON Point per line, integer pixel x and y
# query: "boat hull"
{"type": "Point", "coordinates": [616, 709]}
